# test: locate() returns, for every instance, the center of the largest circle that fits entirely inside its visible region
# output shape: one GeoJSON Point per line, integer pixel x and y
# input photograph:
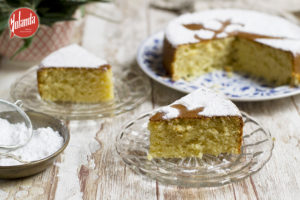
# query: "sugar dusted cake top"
{"type": "Point", "coordinates": [202, 102]}
{"type": "Point", "coordinates": [72, 56]}
{"type": "Point", "coordinates": [220, 23]}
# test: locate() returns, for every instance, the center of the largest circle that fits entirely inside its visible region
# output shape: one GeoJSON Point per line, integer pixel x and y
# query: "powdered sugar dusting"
{"type": "Point", "coordinates": [213, 24]}
{"type": "Point", "coordinates": [72, 56]}
{"type": "Point", "coordinates": [215, 104]}
{"type": "Point", "coordinates": [13, 134]}
{"type": "Point", "coordinates": [242, 20]}
{"type": "Point", "coordinates": [205, 34]}
{"type": "Point", "coordinates": [222, 35]}
{"type": "Point", "coordinates": [170, 112]}
{"type": "Point", "coordinates": [44, 142]}
{"type": "Point", "coordinates": [290, 45]}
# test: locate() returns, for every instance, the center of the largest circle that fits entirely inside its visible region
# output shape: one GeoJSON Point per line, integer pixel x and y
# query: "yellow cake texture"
{"type": "Point", "coordinates": [72, 74]}
{"type": "Point", "coordinates": [202, 122]}
{"type": "Point", "coordinates": [250, 42]}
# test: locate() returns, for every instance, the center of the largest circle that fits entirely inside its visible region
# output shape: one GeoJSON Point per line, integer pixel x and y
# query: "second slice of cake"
{"type": "Point", "coordinates": [202, 122]}
{"type": "Point", "coordinates": [72, 74]}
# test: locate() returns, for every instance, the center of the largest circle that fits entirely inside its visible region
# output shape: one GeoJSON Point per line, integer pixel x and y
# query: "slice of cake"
{"type": "Point", "coordinates": [72, 74]}
{"type": "Point", "coordinates": [246, 41]}
{"type": "Point", "coordinates": [202, 122]}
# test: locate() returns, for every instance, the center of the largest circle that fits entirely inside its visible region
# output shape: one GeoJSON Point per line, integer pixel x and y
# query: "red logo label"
{"type": "Point", "coordinates": [23, 23]}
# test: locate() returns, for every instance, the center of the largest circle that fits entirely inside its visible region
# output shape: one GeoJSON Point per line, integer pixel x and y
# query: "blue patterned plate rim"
{"type": "Point", "coordinates": [236, 87]}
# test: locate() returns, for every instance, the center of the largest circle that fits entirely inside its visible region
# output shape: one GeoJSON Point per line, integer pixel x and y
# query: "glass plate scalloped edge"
{"type": "Point", "coordinates": [133, 142]}
{"type": "Point", "coordinates": [130, 89]}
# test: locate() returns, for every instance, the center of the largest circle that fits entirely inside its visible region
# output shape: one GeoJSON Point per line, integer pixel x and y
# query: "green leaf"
{"type": "Point", "coordinates": [35, 3]}
{"type": "Point", "coordinates": [49, 12]}
{"type": "Point", "coordinates": [3, 24]}
{"type": "Point", "coordinates": [27, 43]}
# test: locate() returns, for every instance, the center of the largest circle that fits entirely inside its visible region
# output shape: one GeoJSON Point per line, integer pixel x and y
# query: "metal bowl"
{"type": "Point", "coordinates": [38, 120]}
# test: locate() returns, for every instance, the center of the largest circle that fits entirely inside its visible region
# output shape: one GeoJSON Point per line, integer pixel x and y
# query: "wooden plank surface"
{"type": "Point", "coordinates": [90, 167]}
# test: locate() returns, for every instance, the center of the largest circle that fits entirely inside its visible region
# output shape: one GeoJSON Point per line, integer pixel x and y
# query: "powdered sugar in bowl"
{"type": "Point", "coordinates": [49, 138]}
{"type": "Point", "coordinates": [15, 125]}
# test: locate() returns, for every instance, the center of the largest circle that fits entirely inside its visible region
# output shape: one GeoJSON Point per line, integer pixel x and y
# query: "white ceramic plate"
{"type": "Point", "coordinates": [237, 87]}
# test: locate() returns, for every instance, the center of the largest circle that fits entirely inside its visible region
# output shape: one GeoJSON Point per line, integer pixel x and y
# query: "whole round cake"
{"type": "Point", "coordinates": [246, 41]}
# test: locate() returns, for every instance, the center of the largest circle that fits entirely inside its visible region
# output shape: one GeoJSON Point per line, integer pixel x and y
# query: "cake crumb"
{"type": "Point", "coordinates": [229, 71]}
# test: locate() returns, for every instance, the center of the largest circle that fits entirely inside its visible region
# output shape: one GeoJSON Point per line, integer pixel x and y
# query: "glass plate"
{"type": "Point", "coordinates": [133, 144]}
{"type": "Point", "coordinates": [130, 89]}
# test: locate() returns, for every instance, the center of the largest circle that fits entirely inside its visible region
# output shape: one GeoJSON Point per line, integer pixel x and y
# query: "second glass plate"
{"type": "Point", "coordinates": [130, 90]}
{"type": "Point", "coordinates": [133, 144]}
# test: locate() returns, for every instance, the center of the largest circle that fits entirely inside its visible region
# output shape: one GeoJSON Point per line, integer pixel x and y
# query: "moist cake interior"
{"type": "Point", "coordinates": [238, 54]}
{"type": "Point", "coordinates": [76, 85]}
{"type": "Point", "coordinates": [181, 138]}
{"type": "Point", "coordinates": [72, 74]}
{"type": "Point", "coordinates": [249, 42]}
{"type": "Point", "coordinates": [202, 122]}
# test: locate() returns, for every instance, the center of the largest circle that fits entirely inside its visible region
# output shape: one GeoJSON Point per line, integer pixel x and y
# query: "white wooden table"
{"type": "Point", "coordinates": [91, 169]}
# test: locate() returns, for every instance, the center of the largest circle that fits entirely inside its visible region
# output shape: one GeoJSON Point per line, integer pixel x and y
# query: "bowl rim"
{"type": "Point", "coordinates": [55, 154]}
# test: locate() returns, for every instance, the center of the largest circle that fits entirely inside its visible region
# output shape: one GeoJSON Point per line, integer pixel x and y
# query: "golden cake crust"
{"type": "Point", "coordinates": [168, 56]}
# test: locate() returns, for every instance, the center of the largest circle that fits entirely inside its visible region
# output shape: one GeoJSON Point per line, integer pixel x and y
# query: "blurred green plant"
{"type": "Point", "coordinates": [49, 12]}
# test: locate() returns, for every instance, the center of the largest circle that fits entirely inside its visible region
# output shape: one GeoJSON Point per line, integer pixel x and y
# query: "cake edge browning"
{"type": "Point", "coordinates": [296, 70]}
{"type": "Point", "coordinates": [168, 56]}
{"type": "Point", "coordinates": [101, 67]}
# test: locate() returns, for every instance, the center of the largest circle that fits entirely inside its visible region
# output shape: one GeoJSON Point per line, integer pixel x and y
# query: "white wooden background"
{"type": "Point", "coordinates": [91, 169]}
